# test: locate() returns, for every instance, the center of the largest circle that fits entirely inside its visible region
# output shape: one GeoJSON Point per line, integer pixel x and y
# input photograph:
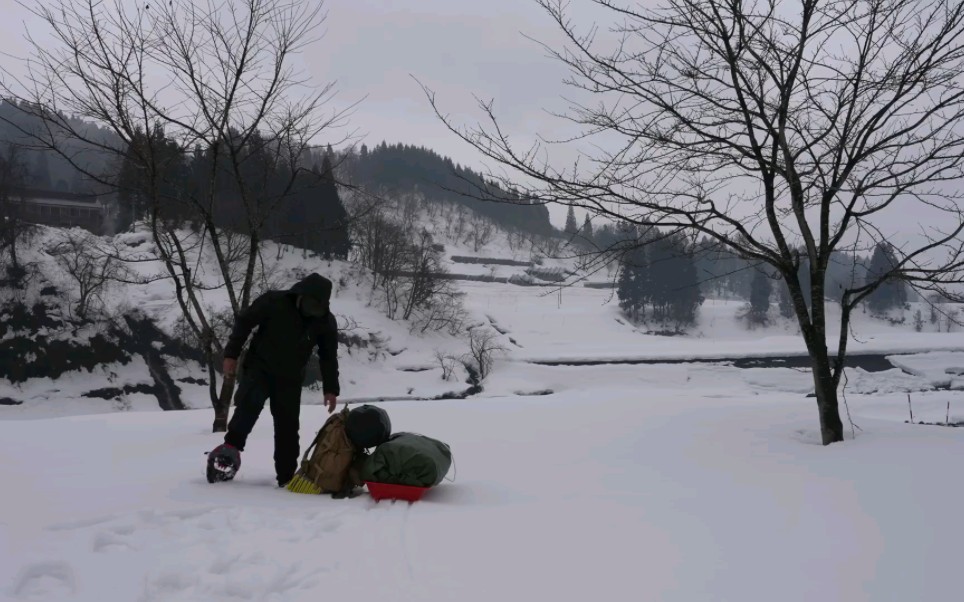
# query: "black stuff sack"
{"type": "Point", "coordinates": [368, 426]}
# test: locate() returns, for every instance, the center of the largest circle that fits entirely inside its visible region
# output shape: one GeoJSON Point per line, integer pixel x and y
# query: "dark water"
{"type": "Point", "coordinates": [873, 362]}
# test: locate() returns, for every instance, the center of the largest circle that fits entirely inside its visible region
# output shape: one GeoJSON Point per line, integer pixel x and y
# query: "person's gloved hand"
{"type": "Point", "coordinates": [230, 367]}
{"type": "Point", "coordinates": [331, 400]}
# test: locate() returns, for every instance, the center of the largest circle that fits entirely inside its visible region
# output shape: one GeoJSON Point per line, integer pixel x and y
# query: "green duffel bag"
{"type": "Point", "coordinates": [408, 459]}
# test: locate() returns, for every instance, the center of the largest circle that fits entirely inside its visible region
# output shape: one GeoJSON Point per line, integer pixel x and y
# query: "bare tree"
{"type": "Point", "coordinates": [212, 82]}
{"type": "Point", "coordinates": [484, 347]}
{"type": "Point", "coordinates": [443, 312]}
{"type": "Point", "coordinates": [447, 363]}
{"type": "Point", "coordinates": [784, 132]}
{"type": "Point", "coordinates": [407, 275]}
{"type": "Point", "coordinates": [423, 269]}
{"type": "Point", "coordinates": [91, 269]}
{"type": "Point", "coordinates": [379, 246]}
{"type": "Point", "coordinates": [952, 318]}
{"type": "Point", "coordinates": [481, 232]}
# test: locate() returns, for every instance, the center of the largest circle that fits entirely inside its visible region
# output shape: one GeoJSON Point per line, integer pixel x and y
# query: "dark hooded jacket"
{"type": "Point", "coordinates": [284, 339]}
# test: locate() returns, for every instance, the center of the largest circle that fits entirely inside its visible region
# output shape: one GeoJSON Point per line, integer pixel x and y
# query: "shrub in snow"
{"type": "Point", "coordinates": [89, 269]}
{"type": "Point", "coordinates": [484, 347]}
{"type": "Point", "coordinates": [447, 363]}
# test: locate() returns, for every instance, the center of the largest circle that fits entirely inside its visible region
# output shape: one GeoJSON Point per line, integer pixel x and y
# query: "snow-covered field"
{"type": "Point", "coordinates": [686, 481]}
{"type": "Point", "coordinates": [585, 323]}
{"type": "Point", "coordinates": [614, 489]}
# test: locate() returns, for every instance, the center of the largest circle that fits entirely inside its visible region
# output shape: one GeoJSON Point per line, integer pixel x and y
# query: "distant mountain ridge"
{"type": "Point", "coordinates": [393, 169]}
{"type": "Point", "coordinates": [406, 169]}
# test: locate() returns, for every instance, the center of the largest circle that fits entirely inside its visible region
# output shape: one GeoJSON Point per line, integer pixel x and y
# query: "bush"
{"type": "Point", "coordinates": [483, 350]}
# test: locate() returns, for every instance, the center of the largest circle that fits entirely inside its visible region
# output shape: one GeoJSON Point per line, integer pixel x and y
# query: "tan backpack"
{"type": "Point", "coordinates": [327, 462]}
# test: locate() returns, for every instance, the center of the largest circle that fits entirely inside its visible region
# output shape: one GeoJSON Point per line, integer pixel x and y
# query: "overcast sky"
{"type": "Point", "coordinates": [457, 48]}
{"type": "Point", "coordinates": [372, 49]}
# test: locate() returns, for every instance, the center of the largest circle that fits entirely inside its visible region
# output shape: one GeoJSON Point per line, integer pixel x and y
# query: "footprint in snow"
{"type": "Point", "coordinates": [109, 541]}
{"type": "Point", "coordinates": [45, 581]}
{"type": "Point", "coordinates": [225, 564]}
{"type": "Point", "coordinates": [123, 530]}
{"type": "Point", "coordinates": [169, 586]}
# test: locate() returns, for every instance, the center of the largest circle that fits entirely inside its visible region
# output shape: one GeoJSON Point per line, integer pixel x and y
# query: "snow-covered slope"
{"type": "Point", "coordinates": [373, 365]}
{"type": "Point", "coordinates": [386, 360]}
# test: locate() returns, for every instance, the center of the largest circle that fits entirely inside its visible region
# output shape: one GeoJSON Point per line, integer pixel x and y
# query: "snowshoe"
{"type": "Point", "coordinates": [223, 463]}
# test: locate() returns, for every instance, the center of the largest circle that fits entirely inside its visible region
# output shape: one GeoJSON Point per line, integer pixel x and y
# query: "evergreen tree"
{"type": "Point", "coordinates": [633, 283]}
{"type": "Point", "coordinates": [571, 227]}
{"type": "Point", "coordinates": [587, 229]}
{"type": "Point", "coordinates": [723, 273]}
{"type": "Point", "coordinates": [686, 297]}
{"type": "Point", "coordinates": [335, 240]}
{"type": "Point", "coordinates": [605, 237]}
{"type": "Point", "coordinates": [151, 160]}
{"type": "Point", "coordinates": [784, 301]}
{"type": "Point", "coordinates": [760, 290]}
{"type": "Point", "coordinates": [660, 276]}
{"type": "Point", "coordinates": [891, 293]}
{"type": "Point", "coordinates": [625, 290]}
{"type": "Point", "coordinates": [844, 271]}
{"type": "Point", "coordinates": [40, 177]}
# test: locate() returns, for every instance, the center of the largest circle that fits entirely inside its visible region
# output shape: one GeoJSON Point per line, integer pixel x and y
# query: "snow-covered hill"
{"type": "Point", "coordinates": [373, 360]}
{"type": "Point", "coordinates": [384, 360]}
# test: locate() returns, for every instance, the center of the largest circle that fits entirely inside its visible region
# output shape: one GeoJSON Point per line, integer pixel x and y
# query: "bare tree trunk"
{"type": "Point", "coordinates": [222, 406]}
{"type": "Point", "coordinates": [813, 326]}
{"type": "Point", "coordinates": [831, 426]}
{"type": "Point", "coordinates": [825, 385]}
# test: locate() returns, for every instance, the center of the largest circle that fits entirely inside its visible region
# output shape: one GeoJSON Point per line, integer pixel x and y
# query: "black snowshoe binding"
{"type": "Point", "coordinates": [223, 463]}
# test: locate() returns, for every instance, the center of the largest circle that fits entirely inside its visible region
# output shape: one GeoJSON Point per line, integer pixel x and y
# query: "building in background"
{"type": "Point", "coordinates": [62, 209]}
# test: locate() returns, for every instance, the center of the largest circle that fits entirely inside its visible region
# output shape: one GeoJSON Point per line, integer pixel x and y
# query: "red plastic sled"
{"type": "Point", "coordinates": [387, 491]}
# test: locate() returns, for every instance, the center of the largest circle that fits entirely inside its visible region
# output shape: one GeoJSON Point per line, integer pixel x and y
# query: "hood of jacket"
{"type": "Point", "coordinates": [315, 286]}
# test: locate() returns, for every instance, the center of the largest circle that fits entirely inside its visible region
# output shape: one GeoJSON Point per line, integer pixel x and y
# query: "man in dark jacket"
{"type": "Point", "coordinates": [289, 323]}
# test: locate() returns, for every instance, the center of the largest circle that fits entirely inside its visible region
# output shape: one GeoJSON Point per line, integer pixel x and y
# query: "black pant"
{"type": "Point", "coordinates": [255, 388]}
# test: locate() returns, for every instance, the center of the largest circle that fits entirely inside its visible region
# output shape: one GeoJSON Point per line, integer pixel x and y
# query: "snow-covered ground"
{"type": "Point", "coordinates": [534, 324]}
{"type": "Point", "coordinates": [684, 481]}
{"type": "Point", "coordinates": [626, 486]}
{"type": "Point", "coordinates": [585, 323]}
